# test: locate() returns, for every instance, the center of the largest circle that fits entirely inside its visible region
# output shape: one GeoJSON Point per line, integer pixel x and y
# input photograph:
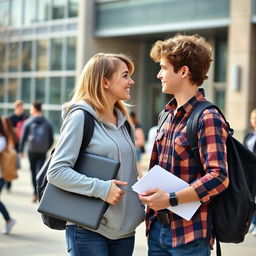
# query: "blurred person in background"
{"type": "Point", "coordinates": [139, 141]}
{"type": "Point", "coordinates": [38, 133]}
{"type": "Point", "coordinates": [9, 222]}
{"type": "Point", "coordinates": [250, 143]}
{"type": "Point", "coordinates": [17, 119]}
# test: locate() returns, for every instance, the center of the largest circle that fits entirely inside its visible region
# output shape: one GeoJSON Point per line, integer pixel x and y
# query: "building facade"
{"type": "Point", "coordinates": [38, 53]}
{"type": "Point", "coordinates": [55, 41]}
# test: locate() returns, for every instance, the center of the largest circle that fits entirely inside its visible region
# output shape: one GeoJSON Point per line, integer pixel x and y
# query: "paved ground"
{"type": "Point", "coordinates": [31, 238]}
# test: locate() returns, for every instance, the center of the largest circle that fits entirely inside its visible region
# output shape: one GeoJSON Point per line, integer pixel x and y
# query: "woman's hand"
{"type": "Point", "coordinates": [115, 193]}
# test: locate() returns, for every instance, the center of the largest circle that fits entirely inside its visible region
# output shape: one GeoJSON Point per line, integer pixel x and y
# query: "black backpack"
{"type": "Point", "coordinates": [41, 178]}
{"type": "Point", "coordinates": [230, 212]}
{"type": "Point", "coordinates": [39, 136]}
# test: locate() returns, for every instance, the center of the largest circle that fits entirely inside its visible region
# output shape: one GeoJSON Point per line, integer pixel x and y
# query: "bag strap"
{"type": "Point", "coordinates": [129, 129]}
{"type": "Point", "coordinates": [162, 117]}
{"type": "Point", "coordinates": [88, 130]}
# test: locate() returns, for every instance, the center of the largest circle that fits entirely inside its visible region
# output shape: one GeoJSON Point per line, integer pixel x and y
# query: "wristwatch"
{"type": "Point", "coordinates": [173, 199]}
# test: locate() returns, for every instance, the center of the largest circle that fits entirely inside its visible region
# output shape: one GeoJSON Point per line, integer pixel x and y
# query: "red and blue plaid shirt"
{"type": "Point", "coordinates": [172, 152]}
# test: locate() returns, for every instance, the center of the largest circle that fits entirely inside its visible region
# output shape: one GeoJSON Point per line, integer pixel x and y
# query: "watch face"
{"type": "Point", "coordinates": [173, 199]}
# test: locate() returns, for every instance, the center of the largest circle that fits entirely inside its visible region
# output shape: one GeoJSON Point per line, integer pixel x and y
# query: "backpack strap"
{"type": "Point", "coordinates": [162, 117]}
{"type": "Point", "coordinates": [88, 129]}
{"type": "Point", "coordinates": [129, 129]}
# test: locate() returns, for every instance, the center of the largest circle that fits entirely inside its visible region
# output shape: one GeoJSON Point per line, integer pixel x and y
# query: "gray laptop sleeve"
{"type": "Point", "coordinates": [79, 209]}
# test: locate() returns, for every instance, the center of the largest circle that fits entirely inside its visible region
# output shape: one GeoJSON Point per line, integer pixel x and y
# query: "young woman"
{"type": "Point", "coordinates": [104, 83]}
{"type": "Point", "coordinates": [9, 221]}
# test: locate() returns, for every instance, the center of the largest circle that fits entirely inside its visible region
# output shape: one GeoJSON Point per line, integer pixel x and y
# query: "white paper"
{"type": "Point", "coordinates": [158, 177]}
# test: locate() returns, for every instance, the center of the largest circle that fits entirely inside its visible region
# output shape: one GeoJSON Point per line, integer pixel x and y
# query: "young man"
{"type": "Point", "coordinates": [38, 132]}
{"type": "Point", "coordinates": [184, 62]}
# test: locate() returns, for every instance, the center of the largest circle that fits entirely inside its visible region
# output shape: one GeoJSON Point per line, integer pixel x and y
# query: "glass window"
{"type": "Point", "coordinates": [71, 53]}
{"type": "Point", "coordinates": [27, 56]}
{"type": "Point", "coordinates": [2, 90]}
{"type": "Point", "coordinates": [55, 90]}
{"type": "Point", "coordinates": [43, 10]}
{"type": "Point", "coordinates": [16, 9]}
{"type": "Point", "coordinates": [72, 8]}
{"type": "Point", "coordinates": [41, 58]}
{"type": "Point", "coordinates": [58, 9]}
{"type": "Point", "coordinates": [26, 90]}
{"type": "Point", "coordinates": [219, 98]}
{"type": "Point", "coordinates": [40, 89]}
{"type": "Point", "coordinates": [69, 87]}
{"type": "Point", "coordinates": [2, 57]}
{"type": "Point", "coordinates": [30, 16]}
{"type": "Point", "coordinates": [220, 61]}
{"type": "Point", "coordinates": [12, 86]}
{"type": "Point", "coordinates": [55, 119]}
{"type": "Point", "coordinates": [4, 15]}
{"type": "Point", "coordinates": [56, 53]}
{"type": "Point", "coordinates": [13, 57]}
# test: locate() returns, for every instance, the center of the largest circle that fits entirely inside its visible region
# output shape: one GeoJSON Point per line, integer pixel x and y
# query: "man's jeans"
{"type": "Point", "coordinates": [160, 243]}
{"type": "Point", "coordinates": [36, 162]}
{"type": "Point", "coordinates": [81, 241]}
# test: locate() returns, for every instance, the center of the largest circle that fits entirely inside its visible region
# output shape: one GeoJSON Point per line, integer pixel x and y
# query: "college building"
{"type": "Point", "coordinates": [44, 45]}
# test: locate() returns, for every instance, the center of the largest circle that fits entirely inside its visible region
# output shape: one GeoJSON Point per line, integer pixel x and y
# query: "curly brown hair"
{"type": "Point", "coordinates": [185, 50]}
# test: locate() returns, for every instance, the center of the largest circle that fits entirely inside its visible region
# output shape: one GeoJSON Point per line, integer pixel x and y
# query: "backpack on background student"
{"type": "Point", "coordinates": [39, 136]}
{"type": "Point", "coordinates": [230, 212]}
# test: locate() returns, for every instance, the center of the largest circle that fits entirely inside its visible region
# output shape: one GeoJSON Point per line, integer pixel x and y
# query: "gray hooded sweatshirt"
{"type": "Point", "coordinates": [108, 140]}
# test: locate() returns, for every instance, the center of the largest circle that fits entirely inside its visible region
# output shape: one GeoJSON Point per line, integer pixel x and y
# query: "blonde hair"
{"type": "Point", "coordinates": [90, 86]}
{"type": "Point", "coordinates": [18, 103]}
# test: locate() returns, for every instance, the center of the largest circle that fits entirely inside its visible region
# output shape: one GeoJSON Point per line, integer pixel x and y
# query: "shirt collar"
{"type": "Point", "coordinates": [191, 103]}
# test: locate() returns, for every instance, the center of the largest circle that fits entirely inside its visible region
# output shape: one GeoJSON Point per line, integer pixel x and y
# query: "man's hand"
{"type": "Point", "coordinates": [115, 193]}
{"type": "Point", "coordinates": [156, 199]}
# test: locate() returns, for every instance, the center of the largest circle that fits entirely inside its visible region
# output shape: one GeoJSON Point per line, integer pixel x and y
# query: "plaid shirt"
{"type": "Point", "coordinates": [172, 152]}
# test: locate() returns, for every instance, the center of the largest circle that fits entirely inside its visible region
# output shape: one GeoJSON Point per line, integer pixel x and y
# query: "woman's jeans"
{"type": "Point", "coordinates": [83, 242]}
{"type": "Point", "coordinates": [2, 207]}
{"type": "Point", "coordinates": [160, 243]}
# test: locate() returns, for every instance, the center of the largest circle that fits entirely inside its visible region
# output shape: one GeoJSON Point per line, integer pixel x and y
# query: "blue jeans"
{"type": "Point", "coordinates": [160, 243]}
{"type": "Point", "coordinates": [83, 242]}
{"type": "Point", "coordinates": [3, 210]}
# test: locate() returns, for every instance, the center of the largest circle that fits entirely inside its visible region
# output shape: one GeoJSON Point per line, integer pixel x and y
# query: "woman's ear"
{"type": "Point", "coordinates": [106, 83]}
